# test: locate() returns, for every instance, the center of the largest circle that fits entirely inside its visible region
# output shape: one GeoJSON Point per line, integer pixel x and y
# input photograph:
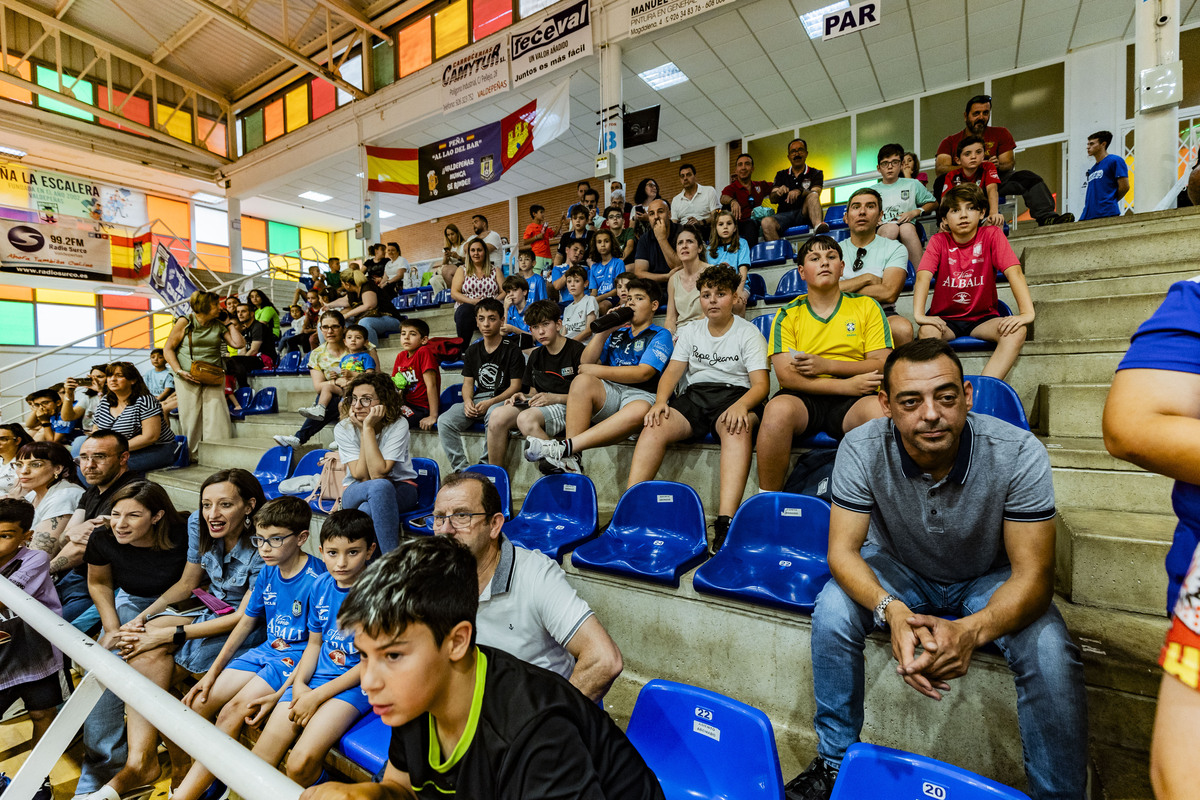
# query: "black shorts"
{"type": "Point", "coordinates": [702, 404]}
{"type": "Point", "coordinates": [963, 327]}
{"type": "Point", "coordinates": [413, 414]}
{"type": "Point", "coordinates": [826, 412]}
{"type": "Point", "coordinates": [40, 695]}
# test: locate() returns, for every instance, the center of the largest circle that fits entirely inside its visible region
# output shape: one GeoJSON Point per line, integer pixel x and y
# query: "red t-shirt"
{"type": "Point", "coordinates": [541, 246]}
{"type": "Point", "coordinates": [750, 198]}
{"type": "Point", "coordinates": [414, 365]}
{"type": "Point", "coordinates": [964, 275]}
{"type": "Point", "coordinates": [997, 141]}
{"type": "Point", "coordinates": [985, 176]}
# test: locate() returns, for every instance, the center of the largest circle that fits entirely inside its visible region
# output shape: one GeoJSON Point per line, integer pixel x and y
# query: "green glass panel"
{"type": "Point", "coordinates": [282, 238]}
{"type": "Point", "coordinates": [879, 127]}
{"type": "Point", "coordinates": [16, 323]}
{"type": "Point", "coordinates": [81, 89]}
{"type": "Point", "coordinates": [769, 154]}
{"type": "Point", "coordinates": [841, 194]}
{"type": "Point", "coordinates": [828, 147]}
{"type": "Point", "coordinates": [942, 115]}
{"type": "Point", "coordinates": [1030, 104]}
{"type": "Point", "coordinates": [383, 62]}
{"type": "Point", "coordinates": [1046, 160]}
{"type": "Point", "coordinates": [253, 130]}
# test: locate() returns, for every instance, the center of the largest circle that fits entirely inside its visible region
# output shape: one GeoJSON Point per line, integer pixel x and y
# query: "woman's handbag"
{"type": "Point", "coordinates": [204, 373]}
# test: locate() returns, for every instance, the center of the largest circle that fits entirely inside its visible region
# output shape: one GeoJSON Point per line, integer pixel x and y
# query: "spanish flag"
{"type": "Point", "coordinates": [392, 170]}
{"type": "Point", "coordinates": [130, 254]}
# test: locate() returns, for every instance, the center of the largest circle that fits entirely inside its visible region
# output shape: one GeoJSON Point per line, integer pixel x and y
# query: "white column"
{"type": "Point", "coordinates": [1156, 138]}
{"type": "Point", "coordinates": [515, 229]}
{"type": "Point", "coordinates": [233, 220]}
{"type": "Point", "coordinates": [1095, 90]}
{"type": "Point", "coordinates": [612, 127]}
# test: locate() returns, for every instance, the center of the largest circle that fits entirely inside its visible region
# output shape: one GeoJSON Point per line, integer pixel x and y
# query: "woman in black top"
{"type": "Point", "coordinates": [375, 311]}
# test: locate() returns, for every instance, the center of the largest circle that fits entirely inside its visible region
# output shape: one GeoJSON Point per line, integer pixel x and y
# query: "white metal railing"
{"type": "Point", "coordinates": [242, 772]}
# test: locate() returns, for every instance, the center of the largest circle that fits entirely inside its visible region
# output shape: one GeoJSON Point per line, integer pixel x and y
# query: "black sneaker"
{"type": "Point", "coordinates": [720, 531]}
{"type": "Point", "coordinates": [815, 783]}
{"type": "Point", "coordinates": [1064, 219]}
{"type": "Point", "coordinates": [44, 792]}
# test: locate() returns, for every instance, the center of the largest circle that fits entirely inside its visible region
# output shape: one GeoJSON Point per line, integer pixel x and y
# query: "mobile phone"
{"type": "Point", "coordinates": [521, 403]}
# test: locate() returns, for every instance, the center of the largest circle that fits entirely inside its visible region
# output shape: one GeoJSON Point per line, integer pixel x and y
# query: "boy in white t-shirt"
{"type": "Point", "coordinates": [903, 200]}
{"type": "Point", "coordinates": [725, 360]}
{"type": "Point", "coordinates": [579, 316]}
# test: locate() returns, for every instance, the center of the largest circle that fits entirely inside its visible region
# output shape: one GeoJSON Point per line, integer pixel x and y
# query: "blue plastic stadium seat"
{"type": "Point", "coordinates": [656, 534]}
{"type": "Point", "coordinates": [996, 398]}
{"type": "Point", "coordinates": [834, 217]}
{"type": "Point", "coordinates": [763, 323]}
{"type": "Point", "coordinates": [244, 396]}
{"type": "Point", "coordinates": [775, 554]}
{"type": "Point", "coordinates": [819, 440]}
{"type": "Point", "coordinates": [767, 254]}
{"type": "Point", "coordinates": [882, 773]}
{"type": "Point", "coordinates": [499, 478]}
{"type": "Point", "coordinates": [366, 744]}
{"type": "Point", "coordinates": [302, 367]}
{"type": "Point", "coordinates": [839, 234]}
{"type": "Point", "coordinates": [183, 457]}
{"type": "Point", "coordinates": [790, 286]}
{"type": "Point", "coordinates": [424, 297]}
{"type": "Point", "coordinates": [452, 396]}
{"type": "Point", "coordinates": [264, 402]}
{"type": "Point", "coordinates": [274, 466]}
{"type": "Point", "coordinates": [559, 513]}
{"type": "Point", "coordinates": [701, 744]}
{"type": "Point", "coordinates": [289, 363]}
{"type": "Point", "coordinates": [310, 464]}
{"type": "Point", "coordinates": [452, 366]}
{"type": "Point", "coordinates": [911, 279]}
{"type": "Point", "coordinates": [968, 344]}
{"type": "Point", "coordinates": [429, 477]}
{"type": "Point", "coordinates": [443, 297]}
{"type": "Point", "coordinates": [797, 230]}
{"type": "Point", "coordinates": [263, 371]}
{"type": "Point", "coordinates": [399, 302]}
{"type": "Point", "coordinates": [757, 288]}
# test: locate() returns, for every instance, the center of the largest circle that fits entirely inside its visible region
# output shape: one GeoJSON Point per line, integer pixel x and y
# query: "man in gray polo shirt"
{"type": "Point", "coordinates": [526, 606]}
{"type": "Point", "coordinates": [940, 513]}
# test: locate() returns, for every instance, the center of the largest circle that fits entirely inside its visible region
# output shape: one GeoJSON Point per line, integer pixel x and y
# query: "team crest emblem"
{"type": "Point", "coordinates": [962, 298]}
{"type": "Point", "coordinates": [487, 167]}
{"type": "Point", "coordinates": [851, 327]}
{"type": "Point", "coordinates": [904, 193]}
{"type": "Point", "coordinates": [297, 609]}
{"type": "Point", "coordinates": [338, 657]}
{"type": "Point", "coordinates": [978, 250]}
{"type": "Point", "coordinates": [290, 663]}
{"type": "Point", "coordinates": [639, 346]}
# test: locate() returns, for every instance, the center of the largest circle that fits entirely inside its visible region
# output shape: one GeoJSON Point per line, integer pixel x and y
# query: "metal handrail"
{"type": "Point", "coordinates": [237, 767]}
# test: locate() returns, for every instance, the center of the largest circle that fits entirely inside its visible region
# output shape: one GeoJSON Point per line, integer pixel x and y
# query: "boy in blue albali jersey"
{"type": "Point", "coordinates": [618, 378]}
{"type": "Point", "coordinates": [251, 684]}
{"type": "Point", "coordinates": [324, 698]}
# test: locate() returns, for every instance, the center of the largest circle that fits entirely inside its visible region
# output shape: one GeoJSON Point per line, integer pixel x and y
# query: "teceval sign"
{"type": "Point", "coordinates": [549, 43]}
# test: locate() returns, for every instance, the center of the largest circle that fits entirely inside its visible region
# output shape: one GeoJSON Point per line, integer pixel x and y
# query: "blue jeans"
{"type": "Point", "coordinates": [312, 427]}
{"type": "Point", "coordinates": [378, 326]}
{"type": "Point", "coordinates": [156, 456]}
{"type": "Point", "coordinates": [384, 501]}
{"type": "Point", "coordinates": [1051, 702]}
{"type": "Point", "coordinates": [105, 750]}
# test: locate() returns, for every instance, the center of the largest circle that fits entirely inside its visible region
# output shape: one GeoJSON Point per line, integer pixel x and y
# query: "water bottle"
{"type": "Point", "coordinates": [613, 319]}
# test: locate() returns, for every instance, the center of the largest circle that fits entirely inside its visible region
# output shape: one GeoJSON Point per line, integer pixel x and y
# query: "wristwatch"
{"type": "Point", "coordinates": [880, 619]}
{"type": "Point", "coordinates": [181, 634]}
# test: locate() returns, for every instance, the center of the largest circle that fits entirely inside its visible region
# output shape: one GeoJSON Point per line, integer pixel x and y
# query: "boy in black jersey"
{"type": "Point", "coordinates": [470, 721]}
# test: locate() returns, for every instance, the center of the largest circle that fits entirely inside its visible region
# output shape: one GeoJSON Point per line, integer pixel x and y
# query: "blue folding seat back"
{"type": "Point", "coordinates": [264, 402]}
{"type": "Point", "coordinates": [819, 440]}
{"type": "Point", "coordinates": [763, 323]}
{"type": "Point", "coordinates": [701, 744]}
{"type": "Point", "coordinates": [657, 533]}
{"type": "Point", "coordinates": [757, 287]}
{"type": "Point", "coordinates": [970, 343]}
{"type": "Point", "coordinates": [244, 395]}
{"type": "Point", "coordinates": [289, 363]}
{"type": "Point", "coordinates": [765, 254]}
{"type": "Point", "coordinates": [775, 553]}
{"type": "Point", "coordinates": [498, 478]}
{"type": "Point", "coordinates": [274, 466]}
{"type": "Point", "coordinates": [835, 216]}
{"type": "Point", "coordinates": [302, 367]}
{"type": "Point", "coordinates": [839, 234]}
{"type": "Point", "coordinates": [263, 371]}
{"type": "Point", "coordinates": [797, 230]}
{"type": "Point", "coordinates": [911, 279]}
{"type": "Point", "coordinates": [790, 286]}
{"type": "Point", "coordinates": [882, 773]}
{"type": "Point", "coordinates": [559, 513]}
{"type": "Point", "coordinates": [424, 297]}
{"type": "Point", "coordinates": [366, 744]}
{"type": "Point", "coordinates": [183, 458]}
{"type": "Point", "coordinates": [996, 398]}
{"type": "Point", "coordinates": [429, 477]}
{"type": "Point", "coordinates": [452, 396]}
{"type": "Point", "coordinates": [309, 464]}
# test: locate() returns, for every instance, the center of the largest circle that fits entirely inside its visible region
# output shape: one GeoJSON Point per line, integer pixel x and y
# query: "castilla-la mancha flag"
{"type": "Point", "coordinates": [472, 159]}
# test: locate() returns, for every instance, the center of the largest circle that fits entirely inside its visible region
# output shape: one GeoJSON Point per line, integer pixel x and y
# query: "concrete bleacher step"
{"type": "Point", "coordinates": [230, 453]}
{"type": "Point", "coordinates": [1114, 559]}
{"type": "Point", "coordinates": [1094, 317]}
{"type": "Point", "coordinates": [1072, 409]}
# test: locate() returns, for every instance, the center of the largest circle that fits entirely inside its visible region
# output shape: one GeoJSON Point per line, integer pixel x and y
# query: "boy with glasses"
{"type": "Point", "coordinates": [902, 200]}
{"type": "Point", "coordinates": [626, 237]}
{"type": "Point", "coordinates": [877, 265]}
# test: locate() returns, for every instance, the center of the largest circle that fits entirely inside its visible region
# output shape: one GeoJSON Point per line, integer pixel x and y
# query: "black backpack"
{"type": "Point", "coordinates": [813, 475]}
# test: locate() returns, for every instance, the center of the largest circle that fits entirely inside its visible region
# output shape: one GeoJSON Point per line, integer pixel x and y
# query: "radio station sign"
{"type": "Point", "coordinates": [550, 43]}
{"type": "Point", "coordinates": [57, 251]}
{"type": "Point", "coordinates": [648, 15]}
{"type": "Point", "coordinates": [479, 74]}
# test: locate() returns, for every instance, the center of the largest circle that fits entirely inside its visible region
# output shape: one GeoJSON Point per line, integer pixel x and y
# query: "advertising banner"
{"type": "Point", "coordinates": [58, 251]}
{"type": "Point", "coordinates": [171, 280]}
{"type": "Point", "coordinates": [647, 15]}
{"type": "Point", "coordinates": [549, 43]}
{"type": "Point", "coordinates": [459, 164]}
{"type": "Point", "coordinates": [478, 74]}
{"type": "Point", "coordinates": [53, 194]}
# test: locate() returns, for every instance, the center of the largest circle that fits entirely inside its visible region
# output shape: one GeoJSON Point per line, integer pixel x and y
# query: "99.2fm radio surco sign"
{"type": "Point", "coordinates": [58, 250]}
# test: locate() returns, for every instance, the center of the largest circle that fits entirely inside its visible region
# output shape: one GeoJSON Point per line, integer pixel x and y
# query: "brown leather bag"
{"type": "Point", "coordinates": [204, 373]}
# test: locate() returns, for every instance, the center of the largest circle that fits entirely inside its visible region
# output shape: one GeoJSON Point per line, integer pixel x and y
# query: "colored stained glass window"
{"type": "Point", "coordinates": [273, 120]}
{"type": "Point", "coordinates": [450, 27]}
{"type": "Point", "coordinates": [130, 302]}
{"type": "Point", "coordinates": [254, 233]}
{"type": "Point", "coordinates": [82, 90]}
{"type": "Point", "coordinates": [324, 98]}
{"type": "Point", "coordinates": [177, 123]}
{"type": "Point", "coordinates": [66, 298]}
{"type": "Point", "coordinates": [297, 107]}
{"type": "Point", "coordinates": [416, 49]}
{"type": "Point", "coordinates": [16, 323]}
{"type": "Point", "coordinates": [58, 325]}
{"type": "Point", "coordinates": [215, 142]}
{"type": "Point", "coordinates": [314, 243]}
{"type": "Point", "coordinates": [16, 293]}
{"type": "Point", "coordinates": [12, 92]}
{"type": "Point", "coordinates": [283, 238]}
{"type": "Point", "coordinates": [170, 217]}
{"type": "Point", "coordinates": [383, 61]}
{"type": "Point", "coordinates": [490, 16]}
{"type": "Point", "coordinates": [253, 128]}
{"type": "Point", "coordinates": [134, 330]}
{"type": "Point", "coordinates": [162, 328]}
{"type": "Point", "coordinates": [341, 247]}
{"type": "Point", "coordinates": [213, 256]}
{"type": "Point", "coordinates": [135, 109]}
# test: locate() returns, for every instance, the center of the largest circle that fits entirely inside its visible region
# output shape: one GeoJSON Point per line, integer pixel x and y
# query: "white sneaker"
{"type": "Point", "coordinates": [313, 412]}
{"type": "Point", "coordinates": [287, 441]}
{"type": "Point", "coordinates": [543, 449]}
{"type": "Point", "coordinates": [572, 464]}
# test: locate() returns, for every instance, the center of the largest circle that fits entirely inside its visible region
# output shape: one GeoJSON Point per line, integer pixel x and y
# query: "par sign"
{"type": "Point", "coordinates": [850, 20]}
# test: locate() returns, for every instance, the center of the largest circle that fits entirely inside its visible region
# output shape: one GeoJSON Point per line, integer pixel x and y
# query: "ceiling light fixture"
{"type": "Point", "coordinates": [660, 78]}
{"type": "Point", "coordinates": [316, 197]}
{"type": "Point", "coordinates": [12, 151]}
{"type": "Point", "coordinates": [385, 214]}
{"type": "Point", "coordinates": [812, 20]}
{"type": "Point", "coordinates": [360, 175]}
{"type": "Point", "coordinates": [206, 198]}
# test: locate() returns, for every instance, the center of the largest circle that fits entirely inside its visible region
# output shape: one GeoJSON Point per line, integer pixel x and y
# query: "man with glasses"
{"type": "Point", "coordinates": [827, 349]}
{"type": "Point", "coordinates": [1001, 150]}
{"type": "Point", "coordinates": [797, 190]}
{"type": "Point", "coordinates": [526, 606]}
{"type": "Point", "coordinates": [743, 195]}
{"type": "Point", "coordinates": [878, 265]}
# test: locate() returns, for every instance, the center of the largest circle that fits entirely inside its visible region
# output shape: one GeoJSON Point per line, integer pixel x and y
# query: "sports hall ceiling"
{"type": "Point", "coordinates": [750, 65]}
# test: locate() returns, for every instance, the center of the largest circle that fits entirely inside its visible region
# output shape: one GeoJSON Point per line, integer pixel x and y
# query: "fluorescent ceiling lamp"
{"type": "Point", "coordinates": [385, 214]}
{"type": "Point", "coordinates": [316, 197]}
{"type": "Point", "coordinates": [205, 197]}
{"type": "Point", "coordinates": [12, 151]}
{"type": "Point", "coordinates": [660, 78]}
{"type": "Point", "coordinates": [812, 20]}
{"type": "Point", "coordinates": [359, 175]}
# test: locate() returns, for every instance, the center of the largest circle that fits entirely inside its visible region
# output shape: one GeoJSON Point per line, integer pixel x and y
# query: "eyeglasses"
{"type": "Point", "coordinates": [891, 162]}
{"type": "Point", "coordinates": [99, 459]}
{"type": "Point", "coordinates": [459, 520]}
{"type": "Point", "coordinates": [274, 541]}
{"type": "Point", "coordinates": [362, 400]}
{"type": "Point", "coordinates": [330, 327]}
{"type": "Point", "coordinates": [858, 258]}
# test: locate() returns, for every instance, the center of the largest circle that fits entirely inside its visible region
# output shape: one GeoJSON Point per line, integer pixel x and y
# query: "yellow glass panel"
{"type": "Point", "coordinates": [285, 268]}
{"type": "Point", "coordinates": [16, 293]}
{"type": "Point", "coordinates": [450, 28]}
{"type": "Point", "coordinates": [341, 247]}
{"type": "Point", "coordinates": [134, 330]}
{"type": "Point", "coordinates": [297, 107]}
{"type": "Point", "coordinates": [65, 298]}
{"type": "Point", "coordinates": [12, 92]}
{"type": "Point", "coordinates": [162, 328]}
{"type": "Point", "coordinates": [173, 215]}
{"type": "Point", "coordinates": [176, 123]}
{"type": "Point", "coordinates": [828, 147]}
{"type": "Point", "coordinates": [769, 154]}
{"type": "Point", "coordinates": [318, 241]}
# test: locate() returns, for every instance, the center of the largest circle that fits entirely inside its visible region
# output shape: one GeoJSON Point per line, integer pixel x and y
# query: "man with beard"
{"type": "Point", "coordinates": [942, 533]}
{"type": "Point", "coordinates": [743, 195]}
{"type": "Point", "coordinates": [1001, 151]}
